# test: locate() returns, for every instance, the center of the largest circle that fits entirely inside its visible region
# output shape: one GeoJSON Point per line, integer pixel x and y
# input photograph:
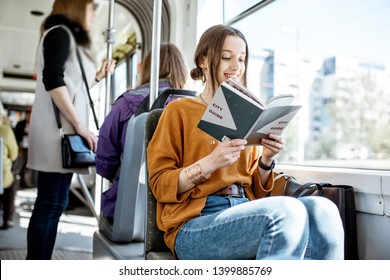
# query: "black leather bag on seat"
{"type": "Point", "coordinates": [341, 195]}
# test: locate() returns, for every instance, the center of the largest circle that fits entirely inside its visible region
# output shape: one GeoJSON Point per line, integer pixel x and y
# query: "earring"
{"type": "Point", "coordinates": [203, 76]}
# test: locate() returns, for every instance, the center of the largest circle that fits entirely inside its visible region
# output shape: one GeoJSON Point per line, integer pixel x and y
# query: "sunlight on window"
{"type": "Point", "coordinates": [337, 67]}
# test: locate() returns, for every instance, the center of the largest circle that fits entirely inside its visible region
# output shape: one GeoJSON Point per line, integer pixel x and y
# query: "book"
{"type": "Point", "coordinates": [234, 112]}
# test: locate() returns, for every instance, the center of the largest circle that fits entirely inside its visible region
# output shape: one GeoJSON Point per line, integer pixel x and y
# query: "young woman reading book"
{"type": "Point", "coordinates": [210, 194]}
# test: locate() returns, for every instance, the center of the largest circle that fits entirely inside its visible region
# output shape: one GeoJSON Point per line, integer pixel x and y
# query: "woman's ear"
{"type": "Point", "coordinates": [203, 62]}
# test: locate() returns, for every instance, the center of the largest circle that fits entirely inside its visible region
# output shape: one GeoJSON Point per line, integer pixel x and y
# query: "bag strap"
{"type": "Point", "coordinates": [87, 88]}
{"type": "Point", "coordinates": [91, 105]}
{"type": "Point", "coordinates": [307, 189]}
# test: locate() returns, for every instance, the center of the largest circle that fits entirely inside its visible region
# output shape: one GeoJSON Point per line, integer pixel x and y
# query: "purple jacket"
{"type": "Point", "coordinates": [111, 141]}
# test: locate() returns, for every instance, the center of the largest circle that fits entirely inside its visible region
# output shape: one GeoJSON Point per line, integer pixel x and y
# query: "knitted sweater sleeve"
{"type": "Point", "coordinates": [56, 46]}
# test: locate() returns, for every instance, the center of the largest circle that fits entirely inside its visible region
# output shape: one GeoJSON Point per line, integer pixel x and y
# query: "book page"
{"type": "Point", "coordinates": [241, 94]}
{"type": "Point", "coordinates": [241, 88]}
{"type": "Point", "coordinates": [280, 100]}
{"type": "Point", "coordinates": [273, 120]}
{"type": "Point", "coordinates": [277, 121]}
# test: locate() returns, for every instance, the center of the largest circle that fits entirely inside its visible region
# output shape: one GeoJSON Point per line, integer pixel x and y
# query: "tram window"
{"type": "Point", "coordinates": [336, 61]}
{"type": "Point", "coordinates": [120, 79]}
{"type": "Point", "coordinates": [126, 74]}
{"type": "Point", "coordinates": [233, 8]}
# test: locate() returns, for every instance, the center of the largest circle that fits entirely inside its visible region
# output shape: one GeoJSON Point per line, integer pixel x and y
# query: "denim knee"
{"type": "Point", "coordinates": [288, 208]}
{"type": "Point", "coordinates": [326, 228]}
{"type": "Point", "coordinates": [324, 213]}
{"type": "Point", "coordinates": [293, 212]}
{"type": "Point", "coordinates": [287, 233]}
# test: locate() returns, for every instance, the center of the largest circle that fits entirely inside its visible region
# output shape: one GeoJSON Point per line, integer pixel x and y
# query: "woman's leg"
{"type": "Point", "coordinates": [52, 199]}
{"type": "Point", "coordinates": [275, 227]}
{"type": "Point", "coordinates": [326, 240]}
{"type": "Point", "coordinates": [8, 200]}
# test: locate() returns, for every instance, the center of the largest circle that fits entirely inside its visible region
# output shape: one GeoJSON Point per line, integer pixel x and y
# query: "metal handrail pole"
{"type": "Point", "coordinates": [110, 37]}
{"type": "Point", "coordinates": [155, 61]}
{"type": "Point", "coordinates": [101, 183]}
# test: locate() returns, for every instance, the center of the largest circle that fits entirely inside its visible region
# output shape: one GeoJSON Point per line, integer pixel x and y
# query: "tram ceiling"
{"type": "Point", "coordinates": [142, 11]}
{"type": "Point", "coordinates": [19, 33]}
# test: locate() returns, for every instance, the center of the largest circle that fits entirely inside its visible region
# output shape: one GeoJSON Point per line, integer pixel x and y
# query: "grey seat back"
{"type": "Point", "coordinates": [130, 208]}
{"type": "Point", "coordinates": [124, 237]}
{"type": "Point", "coordinates": [162, 98]}
{"type": "Point", "coordinates": [129, 217]}
{"type": "Point", "coordinates": [155, 247]}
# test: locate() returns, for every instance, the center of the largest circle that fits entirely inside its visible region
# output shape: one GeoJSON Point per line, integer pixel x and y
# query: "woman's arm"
{"type": "Point", "coordinates": [61, 99]}
{"type": "Point", "coordinates": [56, 48]}
{"type": "Point", "coordinates": [226, 153]}
{"type": "Point", "coordinates": [108, 66]}
{"type": "Point", "coordinates": [10, 142]}
{"type": "Point", "coordinates": [271, 147]}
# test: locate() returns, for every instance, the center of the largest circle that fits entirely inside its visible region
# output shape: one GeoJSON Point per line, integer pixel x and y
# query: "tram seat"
{"type": "Point", "coordinates": [124, 237]}
{"type": "Point", "coordinates": [128, 225]}
{"type": "Point", "coordinates": [162, 99]}
{"type": "Point", "coordinates": [155, 248]}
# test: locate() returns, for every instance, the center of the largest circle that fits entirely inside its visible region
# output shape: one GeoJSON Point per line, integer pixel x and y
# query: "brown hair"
{"type": "Point", "coordinates": [74, 10]}
{"type": "Point", "coordinates": [211, 45]}
{"type": "Point", "coordinates": [172, 66]}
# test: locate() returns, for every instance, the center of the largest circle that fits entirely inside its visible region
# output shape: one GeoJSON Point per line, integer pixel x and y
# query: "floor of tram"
{"type": "Point", "coordinates": [75, 230]}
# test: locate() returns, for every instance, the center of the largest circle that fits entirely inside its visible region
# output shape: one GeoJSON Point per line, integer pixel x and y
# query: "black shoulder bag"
{"type": "Point", "coordinates": [341, 195]}
{"type": "Point", "coordinates": [75, 149]}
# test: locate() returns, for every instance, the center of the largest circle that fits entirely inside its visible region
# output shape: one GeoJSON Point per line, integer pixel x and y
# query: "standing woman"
{"type": "Point", "coordinates": [59, 80]}
{"type": "Point", "coordinates": [210, 194]}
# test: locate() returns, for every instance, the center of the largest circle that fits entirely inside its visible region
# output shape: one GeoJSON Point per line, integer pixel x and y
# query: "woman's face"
{"type": "Point", "coordinates": [232, 59]}
{"type": "Point", "coordinates": [89, 16]}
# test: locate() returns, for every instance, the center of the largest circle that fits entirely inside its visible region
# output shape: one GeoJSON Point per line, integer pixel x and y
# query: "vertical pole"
{"type": "Point", "coordinates": [102, 184]}
{"type": "Point", "coordinates": [110, 37]}
{"type": "Point", "coordinates": [155, 61]}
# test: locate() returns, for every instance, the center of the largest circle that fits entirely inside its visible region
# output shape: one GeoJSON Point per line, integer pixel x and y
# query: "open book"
{"type": "Point", "coordinates": [234, 112]}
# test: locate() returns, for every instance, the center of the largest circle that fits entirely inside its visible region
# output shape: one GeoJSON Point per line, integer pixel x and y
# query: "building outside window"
{"type": "Point", "coordinates": [333, 56]}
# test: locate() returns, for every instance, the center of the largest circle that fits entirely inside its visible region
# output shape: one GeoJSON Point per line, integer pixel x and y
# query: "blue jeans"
{"type": "Point", "coordinates": [51, 202]}
{"type": "Point", "coordinates": [269, 228]}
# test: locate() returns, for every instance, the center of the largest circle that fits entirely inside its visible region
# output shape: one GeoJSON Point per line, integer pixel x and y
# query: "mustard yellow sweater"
{"type": "Point", "coordinates": [178, 143]}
